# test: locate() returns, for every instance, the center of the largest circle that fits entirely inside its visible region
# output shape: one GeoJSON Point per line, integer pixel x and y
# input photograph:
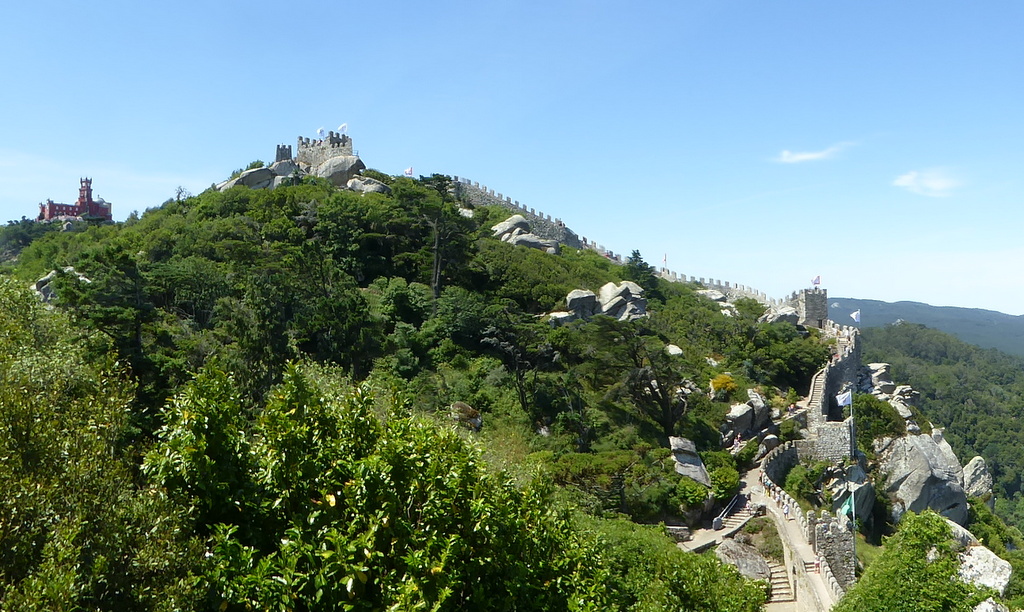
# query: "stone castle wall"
{"type": "Point", "coordinates": [315, 152]}
{"type": "Point", "coordinates": [832, 538]}
{"type": "Point", "coordinates": [834, 541]}
{"type": "Point", "coordinates": [834, 441]}
{"type": "Point", "coordinates": [541, 224]}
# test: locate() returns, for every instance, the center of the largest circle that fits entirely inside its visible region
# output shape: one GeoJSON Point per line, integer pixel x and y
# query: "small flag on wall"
{"type": "Point", "coordinates": [855, 315]}
{"type": "Point", "coordinates": [408, 171]}
{"type": "Point", "coordinates": [845, 398]}
{"type": "Point", "coordinates": [816, 280]}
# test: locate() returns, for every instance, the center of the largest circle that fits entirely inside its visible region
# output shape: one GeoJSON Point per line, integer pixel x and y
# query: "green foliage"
{"type": "Point", "coordinates": [387, 179]}
{"type": "Point", "coordinates": [648, 573]}
{"type": "Point", "coordinates": [916, 571]}
{"type": "Point", "coordinates": [205, 301]}
{"type": "Point", "coordinates": [802, 482]}
{"type": "Point", "coordinates": [640, 485]}
{"type": "Point", "coordinates": [789, 430]}
{"type": "Point", "coordinates": [749, 308]}
{"type": "Point", "coordinates": [78, 532]}
{"type": "Point", "coordinates": [875, 418]}
{"type": "Point", "coordinates": [725, 482]}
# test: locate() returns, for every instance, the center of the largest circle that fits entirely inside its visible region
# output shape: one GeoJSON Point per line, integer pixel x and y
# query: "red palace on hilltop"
{"type": "Point", "coordinates": [85, 207]}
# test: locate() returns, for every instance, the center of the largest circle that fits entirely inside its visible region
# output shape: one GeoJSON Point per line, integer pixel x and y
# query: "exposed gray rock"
{"type": "Point", "coordinates": [340, 169]}
{"type": "Point", "coordinates": [990, 605]}
{"type": "Point", "coordinates": [506, 226]}
{"type": "Point", "coordinates": [961, 537]}
{"type": "Point", "coordinates": [982, 567]}
{"type": "Point", "coordinates": [741, 417]}
{"type": "Point", "coordinates": [560, 318]}
{"type": "Point", "coordinates": [762, 411]}
{"type": "Point", "coordinates": [768, 443]}
{"type": "Point", "coordinates": [257, 178]}
{"type": "Point", "coordinates": [534, 241]}
{"type": "Point", "coordinates": [688, 462]}
{"type": "Point", "coordinates": [747, 560]}
{"type": "Point", "coordinates": [366, 184]}
{"type": "Point", "coordinates": [673, 350]}
{"type": "Point", "coordinates": [712, 294]}
{"type": "Point", "coordinates": [784, 314]}
{"type": "Point", "coordinates": [285, 167]}
{"type": "Point", "coordinates": [44, 288]}
{"type": "Point", "coordinates": [842, 483]}
{"type": "Point", "coordinates": [901, 408]}
{"type": "Point", "coordinates": [922, 473]}
{"type": "Point", "coordinates": [581, 302]}
{"type": "Point", "coordinates": [977, 479]}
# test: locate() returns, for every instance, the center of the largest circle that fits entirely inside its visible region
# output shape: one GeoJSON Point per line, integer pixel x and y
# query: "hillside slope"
{"type": "Point", "coordinates": [985, 328]}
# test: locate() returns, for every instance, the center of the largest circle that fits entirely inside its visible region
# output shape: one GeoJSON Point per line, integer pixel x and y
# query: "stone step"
{"type": "Point", "coordinates": [781, 589]}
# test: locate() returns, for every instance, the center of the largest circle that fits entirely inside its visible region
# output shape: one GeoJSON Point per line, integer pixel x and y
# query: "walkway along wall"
{"type": "Point", "coordinates": [831, 538]}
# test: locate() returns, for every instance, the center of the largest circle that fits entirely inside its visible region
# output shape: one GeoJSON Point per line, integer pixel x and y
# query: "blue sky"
{"type": "Point", "coordinates": [877, 144]}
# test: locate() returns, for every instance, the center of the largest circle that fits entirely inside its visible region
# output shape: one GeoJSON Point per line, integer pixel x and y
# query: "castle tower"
{"type": "Point", "coordinates": [812, 307]}
{"type": "Point", "coordinates": [84, 196]}
{"type": "Point", "coordinates": [284, 153]}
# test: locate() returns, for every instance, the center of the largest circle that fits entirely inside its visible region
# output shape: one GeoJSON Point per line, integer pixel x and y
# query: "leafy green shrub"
{"type": "Point", "coordinates": [789, 430]}
{"type": "Point", "coordinates": [725, 482]}
{"type": "Point", "coordinates": [916, 571]}
{"type": "Point", "coordinates": [875, 418]}
{"type": "Point", "coordinates": [690, 494]}
{"type": "Point", "coordinates": [745, 458]}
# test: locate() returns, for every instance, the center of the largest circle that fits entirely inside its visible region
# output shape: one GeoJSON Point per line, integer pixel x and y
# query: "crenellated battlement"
{"type": "Point", "coordinates": [314, 152]}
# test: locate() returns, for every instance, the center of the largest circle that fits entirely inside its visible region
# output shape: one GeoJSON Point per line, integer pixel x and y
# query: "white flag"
{"type": "Point", "coordinates": [845, 398]}
{"type": "Point", "coordinates": [343, 128]}
{"type": "Point", "coordinates": [320, 132]}
{"type": "Point", "coordinates": [855, 315]}
{"type": "Point", "coordinates": [408, 171]}
{"type": "Point", "coordinates": [816, 280]}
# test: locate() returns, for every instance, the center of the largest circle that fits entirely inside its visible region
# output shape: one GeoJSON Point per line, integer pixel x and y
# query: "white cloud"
{"type": "Point", "coordinates": [791, 157]}
{"type": "Point", "coordinates": [932, 182]}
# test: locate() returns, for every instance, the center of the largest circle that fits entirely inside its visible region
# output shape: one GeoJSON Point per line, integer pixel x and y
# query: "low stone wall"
{"type": "Point", "coordinates": [775, 465]}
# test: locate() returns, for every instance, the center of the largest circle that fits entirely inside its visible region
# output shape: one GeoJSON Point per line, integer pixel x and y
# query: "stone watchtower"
{"type": "Point", "coordinates": [812, 307]}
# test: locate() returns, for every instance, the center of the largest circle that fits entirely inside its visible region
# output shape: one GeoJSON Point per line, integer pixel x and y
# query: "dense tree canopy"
{"type": "Point", "coordinates": [253, 389]}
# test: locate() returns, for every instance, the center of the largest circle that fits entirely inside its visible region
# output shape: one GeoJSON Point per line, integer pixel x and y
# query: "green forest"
{"type": "Point", "coordinates": [309, 398]}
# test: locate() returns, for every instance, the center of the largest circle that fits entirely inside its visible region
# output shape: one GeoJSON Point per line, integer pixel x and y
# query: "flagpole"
{"type": "Point", "coordinates": [853, 498]}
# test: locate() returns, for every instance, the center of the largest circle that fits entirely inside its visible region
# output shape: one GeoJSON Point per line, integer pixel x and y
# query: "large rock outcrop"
{"type": "Point", "coordinates": [516, 230]}
{"type": "Point", "coordinates": [365, 184]}
{"type": "Point", "coordinates": [745, 558]}
{"type": "Point", "coordinates": [982, 567]}
{"type": "Point", "coordinates": [687, 461]}
{"type": "Point", "coordinates": [977, 479]}
{"type": "Point", "coordinates": [922, 472]}
{"type": "Point", "coordinates": [338, 170]}
{"type": "Point", "coordinates": [624, 301]}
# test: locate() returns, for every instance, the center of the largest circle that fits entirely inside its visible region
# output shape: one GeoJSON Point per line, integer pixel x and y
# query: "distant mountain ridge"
{"type": "Point", "coordinates": [984, 328]}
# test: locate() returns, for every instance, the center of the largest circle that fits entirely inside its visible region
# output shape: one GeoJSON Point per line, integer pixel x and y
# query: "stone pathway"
{"type": "Point", "coordinates": [812, 593]}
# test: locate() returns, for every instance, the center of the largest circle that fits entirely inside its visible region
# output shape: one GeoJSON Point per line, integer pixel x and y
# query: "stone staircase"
{"type": "Point", "coordinates": [736, 518]}
{"type": "Point", "coordinates": [781, 588]}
